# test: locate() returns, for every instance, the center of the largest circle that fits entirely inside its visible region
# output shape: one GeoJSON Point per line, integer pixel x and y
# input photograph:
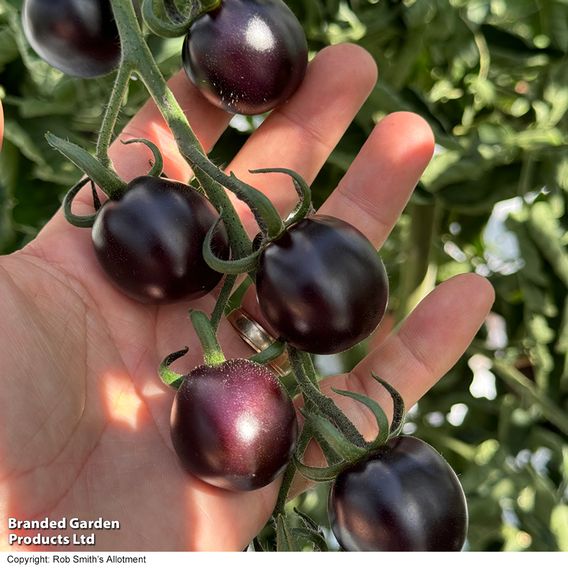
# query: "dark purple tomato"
{"type": "Point", "coordinates": [406, 498]}
{"type": "Point", "coordinates": [150, 241]}
{"type": "Point", "coordinates": [233, 425]}
{"type": "Point", "coordinates": [78, 37]}
{"type": "Point", "coordinates": [247, 56]}
{"type": "Point", "coordinates": [322, 286]}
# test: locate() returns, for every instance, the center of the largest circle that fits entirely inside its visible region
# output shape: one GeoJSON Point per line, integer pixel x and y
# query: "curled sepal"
{"type": "Point", "coordinates": [158, 166]}
{"type": "Point", "coordinates": [105, 178]}
{"type": "Point", "coordinates": [271, 353]}
{"type": "Point", "coordinates": [160, 23]}
{"type": "Point", "coordinates": [164, 19]}
{"type": "Point", "coordinates": [378, 413]}
{"type": "Point", "coordinates": [96, 201]}
{"type": "Point", "coordinates": [265, 213]}
{"type": "Point", "coordinates": [319, 474]}
{"type": "Point", "coordinates": [169, 377]}
{"type": "Point", "coordinates": [346, 450]}
{"type": "Point", "coordinates": [399, 412]}
{"type": "Point", "coordinates": [285, 538]}
{"type": "Point", "coordinates": [303, 190]}
{"type": "Point", "coordinates": [82, 221]}
{"type": "Point", "coordinates": [238, 266]}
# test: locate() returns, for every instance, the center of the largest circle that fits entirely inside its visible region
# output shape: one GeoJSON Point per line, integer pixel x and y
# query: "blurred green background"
{"type": "Point", "coordinates": [491, 78]}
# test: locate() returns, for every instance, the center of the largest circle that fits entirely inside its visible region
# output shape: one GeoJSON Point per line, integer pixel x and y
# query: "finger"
{"type": "Point", "coordinates": [430, 341]}
{"type": "Point", "coordinates": [373, 193]}
{"type": "Point", "coordinates": [301, 134]}
{"type": "Point", "coordinates": [426, 346]}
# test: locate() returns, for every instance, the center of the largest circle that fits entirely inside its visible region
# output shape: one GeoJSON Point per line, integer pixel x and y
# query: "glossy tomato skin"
{"type": "Point", "coordinates": [322, 286]}
{"type": "Point", "coordinates": [404, 498]}
{"type": "Point", "coordinates": [150, 242]}
{"type": "Point", "coordinates": [247, 56]}
{"type": "Point", "coordinates": [233, 425]}
{"type": "Point", "coordinates": [78, 37]}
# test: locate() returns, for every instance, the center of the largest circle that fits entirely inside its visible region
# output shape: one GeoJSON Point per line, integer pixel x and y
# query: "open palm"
{"type": "Point", "coordinates": [85, 417]}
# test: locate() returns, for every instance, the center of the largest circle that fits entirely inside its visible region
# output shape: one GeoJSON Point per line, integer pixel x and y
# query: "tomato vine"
{"type": "Point", "coordinates": [253, 425]}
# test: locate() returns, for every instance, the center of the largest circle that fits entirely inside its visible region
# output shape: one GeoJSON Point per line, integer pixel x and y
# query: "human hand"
{"type": "Point", "coordinates": [86, 418]}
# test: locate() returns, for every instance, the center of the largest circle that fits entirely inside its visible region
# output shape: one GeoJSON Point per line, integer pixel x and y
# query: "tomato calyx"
{"type": "Point", "coordinates": [104, 177]}
{"type": "Point", "coordinates": [304, 206]}
{"type": "Point", "coordinates": [345, 452]}
{"type": "Point", "coordinates": [271, 225]}
{"type": "Point", "coordinates": [97, 173]}
{"type": "Point", "coordinates": [169, 377]}
{"type": "Point", "coordinates": [165, 19]}
{"type": "Point", "coordinates": [212, 352]}
{"type": "Point", "coordinates": [213, 355]}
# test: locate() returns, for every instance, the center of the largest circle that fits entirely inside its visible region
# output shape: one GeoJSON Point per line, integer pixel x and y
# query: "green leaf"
{"type": "Point", "coordinates": [547, 233]}
{"type": "Point", "coordinates": [520, 383]}
{"type": "Point", "coordinates": [559, 526]}
{"type": "Point", "coordinates": [285, 538]}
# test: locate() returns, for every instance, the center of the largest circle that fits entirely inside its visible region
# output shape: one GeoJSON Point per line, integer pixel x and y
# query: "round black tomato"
{"type": "Point", "coordinates": [233, 425]}
{"type": "Point", "coordinates": [322, 286]}
{"type": "Point", "coordinates": [247, 56]}
{"type": "Point", "coordinates": [150, 241]}
{"type": "Point", "coordinates": [404, 498]}
{"type": "Point", "coordinates": [78, 37]}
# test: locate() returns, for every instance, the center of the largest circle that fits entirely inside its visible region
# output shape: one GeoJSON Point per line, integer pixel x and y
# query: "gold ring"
{"type": "Point", "coordinates": [258, 338]}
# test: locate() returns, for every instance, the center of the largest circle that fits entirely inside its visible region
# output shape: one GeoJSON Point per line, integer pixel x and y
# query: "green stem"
{"type": "Point", "coordinates": [272, 352]}
{"type": "Point", "coordinates": [527, 173]}
{"type": "Point", "coordinates": [222, 300]}
{"type": "Point", "coordinates": [526, 388]}
{"type": "Point", "coordinates": [289, 474]}
{"type": "Point", "coordinates": [305, 374]}
{"type": "Point", "coordinates": [212, 353]}
{"type": "Point", "coordinates": [419, 272]}
{"type": "Point", "coordinates": [112, 111]}
{"type": "Point", "coordinates": [136, 53]}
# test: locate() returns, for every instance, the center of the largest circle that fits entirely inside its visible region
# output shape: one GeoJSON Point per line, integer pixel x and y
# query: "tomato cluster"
{"type": "Point", "coordinates": [245, 56]}
{"type": "Point", "coordinates": [321, 286]}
